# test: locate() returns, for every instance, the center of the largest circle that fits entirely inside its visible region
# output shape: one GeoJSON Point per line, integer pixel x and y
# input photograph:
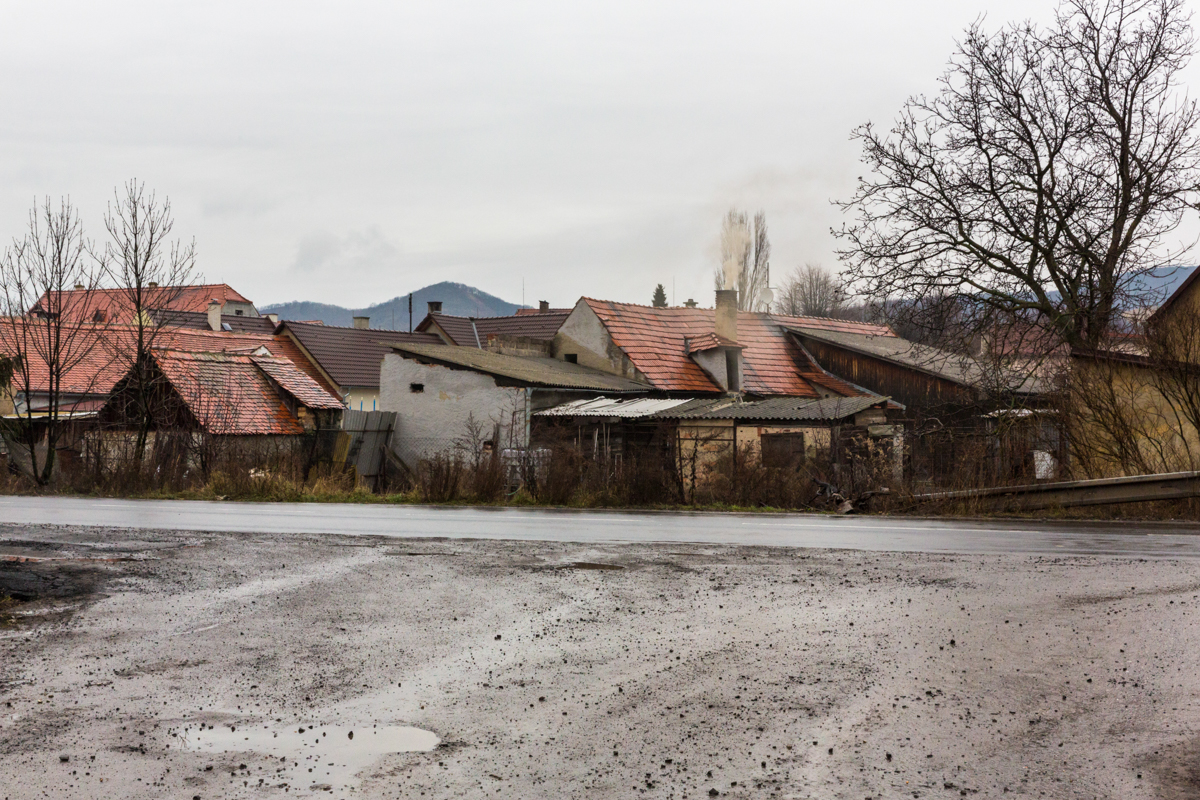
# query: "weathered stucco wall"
{"type": "Point", "coordinates": [430, 420]}
{"type": "Point", "coordinates": [586, 337]}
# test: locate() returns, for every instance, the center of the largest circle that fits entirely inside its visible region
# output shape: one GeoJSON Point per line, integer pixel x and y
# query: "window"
{"type": "Point", "coordinates": [782, 450]}
{"type": "Point", "coordinates": [416, 388]}
{"type": "Point", "coordinates": [571, 358]}
{"type": "Point", "coordinates": [238, 313]}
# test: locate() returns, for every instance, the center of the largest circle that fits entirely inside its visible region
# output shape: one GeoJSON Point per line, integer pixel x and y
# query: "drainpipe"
{"type": "Point", "coordinates": [476, 331]}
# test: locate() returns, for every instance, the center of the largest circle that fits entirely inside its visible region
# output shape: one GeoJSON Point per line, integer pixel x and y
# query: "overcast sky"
{"type": "Point", "coordinates": [349, 152]}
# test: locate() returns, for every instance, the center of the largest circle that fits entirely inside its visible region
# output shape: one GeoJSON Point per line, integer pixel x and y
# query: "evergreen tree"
{"type": "Point", "coordinates": [660, 297]}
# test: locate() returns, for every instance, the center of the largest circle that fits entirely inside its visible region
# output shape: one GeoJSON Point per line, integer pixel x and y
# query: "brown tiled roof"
{"type": "Point", "coordinates": [351, 356]}
{"type": "Point", "coordinates": [654, 339]}
{"type": "Point", "coordinates": [199, 321]}
{"type": "Point", "coordinates": [82, 305]}
{"type": "Point", "coordinates": [537, 325]}
{"type": "Point", "coordinates": [304, 389]}
{"type": "Point", "coordinates": [522, 312]}
{"type": "Point", "coordinates": [227, 394]}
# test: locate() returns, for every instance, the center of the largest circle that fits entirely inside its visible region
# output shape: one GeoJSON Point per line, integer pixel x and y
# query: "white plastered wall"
{"type": "Point", "coordinates": [431, 420]}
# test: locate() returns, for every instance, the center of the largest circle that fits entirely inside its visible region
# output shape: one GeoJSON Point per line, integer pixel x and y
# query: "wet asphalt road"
{"type": "Point", "coordinates": [895, 534]}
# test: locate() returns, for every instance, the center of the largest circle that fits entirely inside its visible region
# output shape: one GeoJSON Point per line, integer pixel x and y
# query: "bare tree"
{"type": "Point", "coordinates": [48, 283]}
{"type": "Point", "coordinates": [745, 259]}
{"type": "Point", "coordinates": [1041, 180]}
{"type": "Point", "coordinates": [150, 272]}
{"type": "Point", "coordinates": [812, 291]}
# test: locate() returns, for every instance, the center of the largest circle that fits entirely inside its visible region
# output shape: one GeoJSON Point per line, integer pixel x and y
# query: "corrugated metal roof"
{"type": "Point", "coordinates": [779, 409]}
{"type": "Point", "coordinates": [776, 408]}
{"type": "Point", "coordinates": [621, 408]}
{"type": "Point", "coordinates": [538, 371]}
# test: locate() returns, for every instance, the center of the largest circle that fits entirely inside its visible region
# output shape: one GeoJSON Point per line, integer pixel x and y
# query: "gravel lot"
{"type": "Point", "coordinates": [560, 671]}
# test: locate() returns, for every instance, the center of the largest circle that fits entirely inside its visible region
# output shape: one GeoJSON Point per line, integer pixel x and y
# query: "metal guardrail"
{"type": "Point", "coordinates": [1101, 491]}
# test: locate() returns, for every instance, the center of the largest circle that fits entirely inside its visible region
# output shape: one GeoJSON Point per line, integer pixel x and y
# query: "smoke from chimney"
{"type": "Point", "coordinates": [735, 247]}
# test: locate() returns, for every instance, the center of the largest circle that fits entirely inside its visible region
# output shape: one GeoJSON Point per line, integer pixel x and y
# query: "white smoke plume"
{"type": "Point", "coordinates": [735, 248]}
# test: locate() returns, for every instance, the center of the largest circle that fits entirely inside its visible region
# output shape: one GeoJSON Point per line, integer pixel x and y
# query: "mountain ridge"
{"type": "Point", "coordinates": [458, 299]}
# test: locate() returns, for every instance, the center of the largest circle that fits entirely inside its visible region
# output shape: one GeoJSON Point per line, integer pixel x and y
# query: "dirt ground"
{"type": "Point", "coordinates": [562, 671]}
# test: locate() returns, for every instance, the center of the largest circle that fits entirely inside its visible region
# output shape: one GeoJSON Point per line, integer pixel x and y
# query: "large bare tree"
{"type": "Point", "coordinates": [150, 271]}
{"type": "Point", "coordinates": [1042, 179]}
{"type": "Point", "coordinates": [745, 258]}
{"type": "Point", "coordinates": [48, 282]}
{"type": "Point", "coordinates": [811, 291]}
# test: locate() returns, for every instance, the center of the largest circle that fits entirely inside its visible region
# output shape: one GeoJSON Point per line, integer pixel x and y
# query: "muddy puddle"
{"type": "Point", "coordinates": [305, 757]}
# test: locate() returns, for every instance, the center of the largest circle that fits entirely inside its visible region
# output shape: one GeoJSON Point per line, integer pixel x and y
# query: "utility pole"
{"type": "Point", "coordinates": [410, 312]}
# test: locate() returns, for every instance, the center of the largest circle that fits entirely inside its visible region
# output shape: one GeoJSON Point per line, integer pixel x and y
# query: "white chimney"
{"type": "Point", "coordinates": [273, 317]}
{"type": "Point", "coordinates": [214, 315]}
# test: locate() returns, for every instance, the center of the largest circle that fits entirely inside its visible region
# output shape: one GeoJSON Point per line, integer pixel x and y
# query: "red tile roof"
{"type": "Point", "coordinates": [227, 394]}
{"type": "Point", "coordinates": [115, 305]}
{"type": "Point", "coordinates": [304, 389]}
{"type": "Point", "coordinates": [655, 339]}
{"type": "Point", "coordinates": [103, 352]}
{"type": "Point", "coordinates": [708, 341]}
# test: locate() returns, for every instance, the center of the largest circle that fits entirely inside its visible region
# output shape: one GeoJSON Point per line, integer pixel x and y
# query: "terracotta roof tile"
{"type": "Point", "coordinates": [103, 352]}
{"type": "Point", "coordinates": [306, 391]}
{"type": "Point", "coordinates": [227, 394]}
{"type": "Point", "coordinates": [655, 340]}
{"type": "Point", "coordinates": [82, 305]}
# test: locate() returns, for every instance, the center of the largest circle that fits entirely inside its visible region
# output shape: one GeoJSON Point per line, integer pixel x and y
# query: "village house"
{"type": "Point", "coordinates": [1134, 405]}
{"type": "Point", "coordinates": [209, 402]}
{"type": "Point", "coordinates": [440, 392]}
{"type": "Point", "coordinates": [617, 378]}
{"type": "Point", "coordinates": [726, 376]}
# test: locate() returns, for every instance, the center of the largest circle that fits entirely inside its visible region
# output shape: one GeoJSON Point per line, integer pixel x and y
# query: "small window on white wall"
{"type": "Point", "coordinates": [416, 388]}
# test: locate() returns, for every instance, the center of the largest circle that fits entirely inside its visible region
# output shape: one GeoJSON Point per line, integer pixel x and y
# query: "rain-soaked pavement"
{"type": "Point", "coordinates": [895, 534]}
{"type": "Point", "coordinates": [147, 662]}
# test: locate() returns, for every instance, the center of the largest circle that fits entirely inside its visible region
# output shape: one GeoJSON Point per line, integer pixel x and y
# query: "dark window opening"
{"type": "Point", "coordinates": [416, 388]}
{"type": "Point", "coordinates": [571, 358]}
{"type": "Point", "coordinates": [237, 313]}
{"type": "Point", "coordinates": [731, 370]}
{"type": "Point", "coordinates": [782, 450]}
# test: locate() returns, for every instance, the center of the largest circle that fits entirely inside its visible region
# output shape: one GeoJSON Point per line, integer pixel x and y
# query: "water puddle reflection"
{"type": "Point", "coordinates": [305, 757]}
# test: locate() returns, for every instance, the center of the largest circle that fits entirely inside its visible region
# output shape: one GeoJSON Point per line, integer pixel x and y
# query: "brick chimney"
{"type": "Point", "coordinates": [543, 305]}
{"type": "Point", "coordinates": [727, 302]}
{"type": "Point", "coordinates": [214, 314]}
{"type": "Point", "coordinates": [435, 306]}
{"type": "Point", "coordinates": [362, 323]}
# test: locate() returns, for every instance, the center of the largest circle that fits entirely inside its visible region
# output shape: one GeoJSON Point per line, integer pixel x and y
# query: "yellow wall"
{"type": "Point", "coordinates": [1120, 422]}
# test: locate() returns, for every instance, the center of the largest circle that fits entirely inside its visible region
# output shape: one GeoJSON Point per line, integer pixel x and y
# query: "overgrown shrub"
{"type": "Point", "coordinates": [439, 478]}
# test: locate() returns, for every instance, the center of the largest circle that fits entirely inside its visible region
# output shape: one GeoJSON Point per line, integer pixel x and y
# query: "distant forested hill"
{"type": "Point", "coordinates": [457, 298]}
